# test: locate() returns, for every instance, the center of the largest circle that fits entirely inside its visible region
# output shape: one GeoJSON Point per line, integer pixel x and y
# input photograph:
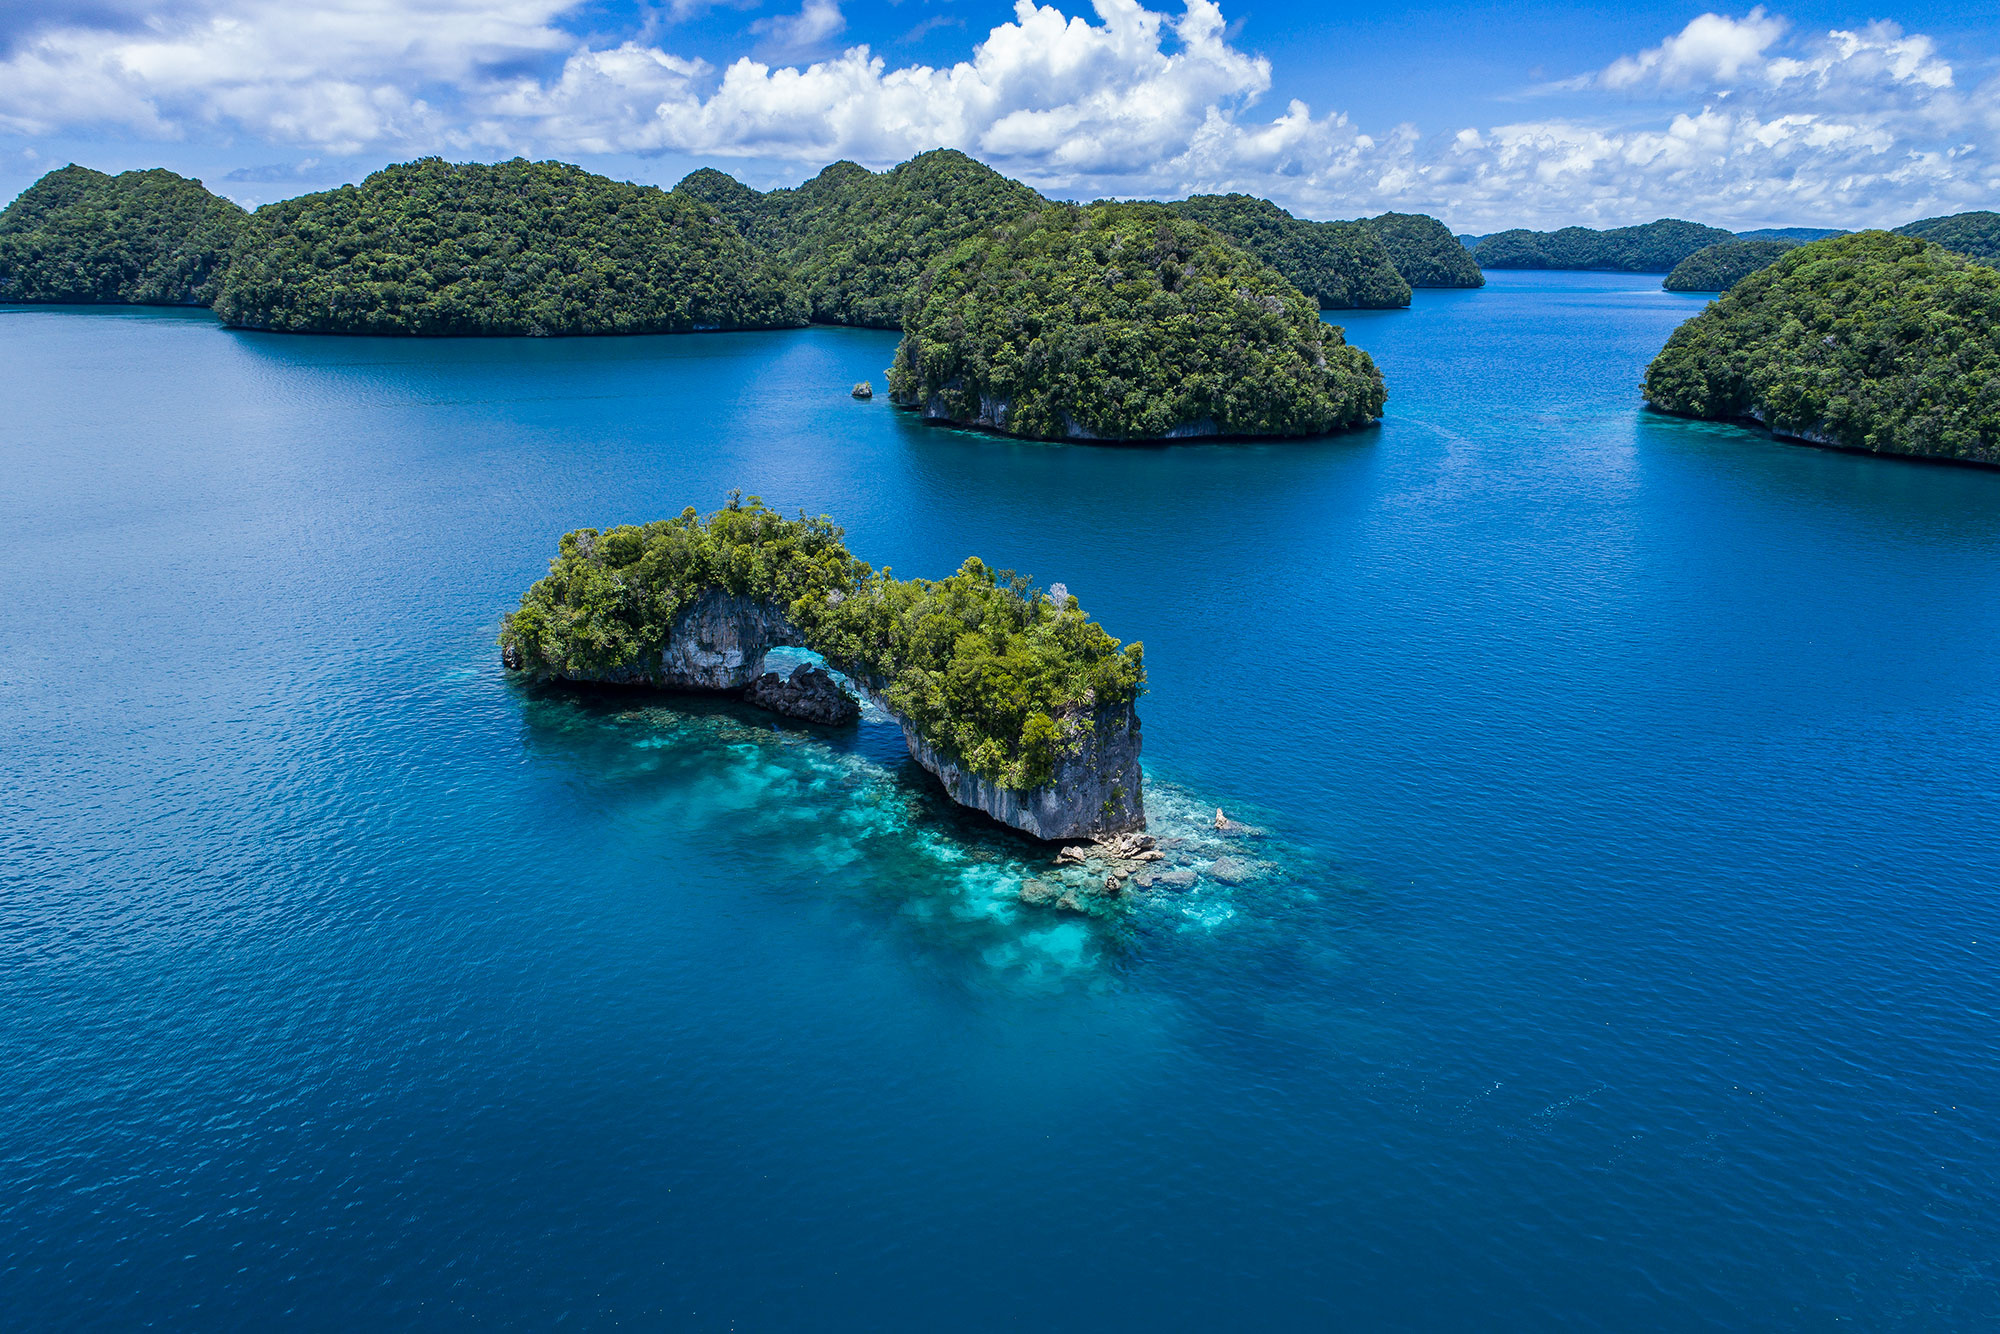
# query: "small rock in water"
{"type": "Point", "coordinates": [864, 390]}
{"type": "Point", "coordinates": [811, 693]}
{"type": "Point", "coordinates": [1181, 879]}
{"type": "Point", "coordinates": [1068, 900]}
{"type": "Point", "coordinates": [1234, 828]}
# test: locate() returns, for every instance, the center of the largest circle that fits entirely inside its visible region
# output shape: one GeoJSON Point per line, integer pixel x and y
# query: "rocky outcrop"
{"type": "Point", "coordinates": [810, 693]}
{"type": "Point", "coordinates": [1097, 788]}
{"type": "Point", "coordinates": [719, 641]}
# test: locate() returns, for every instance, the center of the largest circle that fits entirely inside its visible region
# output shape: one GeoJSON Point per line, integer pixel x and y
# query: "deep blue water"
{"type": "Point", "coordinates": [1623, 953]}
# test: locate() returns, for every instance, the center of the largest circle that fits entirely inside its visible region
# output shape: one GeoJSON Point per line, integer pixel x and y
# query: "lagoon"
{"type": "Point", "coordinates": [1622, 952]}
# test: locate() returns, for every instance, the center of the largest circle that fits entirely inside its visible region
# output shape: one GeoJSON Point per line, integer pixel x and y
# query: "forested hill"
{"type": "Point", "coordinates": [141, 237]}
{"type": "Point", "coordinates": [1341, 265]}
{"type": "Point", "coordinates": [1424, 251]}
{"type": "Point", "coordinates": [432, 247]}
{"type": "Point", "coordinates": [1124, 322]}
{"type": "Point", "coordinates": [854, 241]}
{"type": "Point", "coordinates": [1655, 247]}
{"type": "Point", "coordinates": [1719, 267]}
{"type": "Point", "coordinates": [1974, 235]}
{"type": "Point", "coordinates": [1871, 341]}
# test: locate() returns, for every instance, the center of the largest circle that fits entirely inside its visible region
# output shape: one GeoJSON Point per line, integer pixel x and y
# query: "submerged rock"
{"type": "Point", "coordinates": [1037, 892]}
{"type": "Point", "coordinates": [809, 693]}
{"type": "Point", "coordinates": [1230, 870]}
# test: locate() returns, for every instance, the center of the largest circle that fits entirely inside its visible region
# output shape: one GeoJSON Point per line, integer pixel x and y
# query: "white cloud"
{"type": "Point", "coordinates": [1749, 121]}
{"type": "Point", "coordinates": [817, 22]}
{"type": "Point", "coordinates": [1712, 50]}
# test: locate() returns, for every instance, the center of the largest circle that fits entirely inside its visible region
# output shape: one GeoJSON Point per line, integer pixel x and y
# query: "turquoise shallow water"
{"type": "Point", "coordinates": [1621, 952]}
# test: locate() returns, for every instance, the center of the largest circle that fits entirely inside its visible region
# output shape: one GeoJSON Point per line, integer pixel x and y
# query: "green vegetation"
{"type": "Point", "coordinates": [1870, 341]}
{"type": "Point", "coordinates": [1653, 248]}
{"type": "Point", "coordinates": [1123, 322]}
{"type": "Point", "coordinates": [854, 241]}
{"type": "Point", "coordinates": [147, 238]}
{"type": "Point", "coordinates": [1974, 235]}
{"type": "Point", "coordinates": [1341, 265]}
{"type": "Point", "coordinates": [1799, 234]}
{"type": "Point", "coordinates": [980, 664]}
{"type": "Point", "coordinates": [1423, 251]}
{"type": "Point", "coordinates": [1719, 267]}
{"type": "Point", "coordinates": [431, 247]}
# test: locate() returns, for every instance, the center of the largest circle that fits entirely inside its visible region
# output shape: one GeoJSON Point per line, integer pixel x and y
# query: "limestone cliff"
{"type": "Point", "coordinates": [719, 642]}
{"type": "Point", "coordinates": [1098, 787]}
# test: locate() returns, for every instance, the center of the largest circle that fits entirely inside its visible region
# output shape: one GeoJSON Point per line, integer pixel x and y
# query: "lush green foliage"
{"type": "Point", "coordinates": [1799, 234]}
{"type": "Point", "coordinates": [1974, 235]}
{"type": "Point", "coordinates": [1870, 341]}
{"type": "Point", "coordinates": [521, 247]}
{"type": "Point", "coordinates": [1125, 321]}
{"type": "Point", "coordinates": [144, 237]}
{"type": "Point", "coordinates": [1653, 248]}
{"type": "Point", "coordinates": [855, 241]}
{"type": "Point", "coordinates": [982, 665]}
{"type": "Point", "coordinates": [1719, 267]}
{"type": "Point", "coordinates": [1341, 265]}
{"type": "Point", "coordinates": [1424, 251]}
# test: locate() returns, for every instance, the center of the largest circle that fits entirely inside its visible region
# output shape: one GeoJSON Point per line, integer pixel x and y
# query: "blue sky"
{"type": "Point", "coordinates": [1487, 115]}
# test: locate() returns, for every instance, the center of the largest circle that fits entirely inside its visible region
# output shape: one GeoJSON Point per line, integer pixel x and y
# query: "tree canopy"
{"type": "Point", "coordinates": [982, 665]}
{"type": "Point", "coordinates": [1124, 322]}
{"type": "Point", "coordinates": [1424, 251]}
{"type": "Point", "coordinates": [432, 247]}
{"type": "Point", "coordinates": [1654, 247]}
{"type": "Point", "coordinates": [1341, 265]}
{"type": "Point", "coordinates": [1871, 341]}
{"type": "Point", "coordinates": [854, 240]}
{"type": "Point", "coordinates": [147, 238]}
{"type": "Point", "coordinates": [1717, 268]}
{"type": "Point", "coordinates": [1974, 235]}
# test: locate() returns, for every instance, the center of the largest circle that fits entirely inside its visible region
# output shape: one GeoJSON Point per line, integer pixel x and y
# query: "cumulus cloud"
{"type": "Point", "coordinates": [1736, 119]}
{"type": "Point", "coordinates": [817, 22]}
{"type": "Point", "coordinates": [1713, 49]}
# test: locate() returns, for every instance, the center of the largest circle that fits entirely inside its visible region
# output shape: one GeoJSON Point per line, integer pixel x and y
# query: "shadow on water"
{"type": "Point", "coordinates": [845, 816]}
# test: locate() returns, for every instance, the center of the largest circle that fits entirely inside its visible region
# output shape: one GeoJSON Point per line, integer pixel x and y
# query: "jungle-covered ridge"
{"type": "Point", "coordinates": [1719, 267]}
{"type": "Point", "coordinates": [1873, 341]}
{"type": "Point", "coordinates": [1654, 247]}
{"type": "Point", "coordinates": [1124, 322]}
{"type": "Point", "coordinates": [432, 247]}
{"type": "Point", "coordinates": [1340, 265]}
{"type": "Point", "coordinates": [139, 238]}
{"type": "Point", "coordinates": [981, 664]}
{"type": "Point", "coordinates": [1974, 235]}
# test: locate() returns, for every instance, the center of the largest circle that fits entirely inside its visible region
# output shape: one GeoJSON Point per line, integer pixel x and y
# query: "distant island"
{"type": "Point", "coordinates": [147, 238]}
{"type": "Point", "coordinates": [1974, 235]}
{"type": "Point", "coordinates": [1124, 322]}
{"type": "Point", "coordinates": [1655, 247]}
{"type": "Point", "coordinates": [854, 241]}
{"type": "Point", "coordinates": [1017, 702]}
{"type": "Point", "coordinates": [1340, 265]}
{"type": "Point", "coordinates": [1872, 341]}
{"type": "Point", "coordinates": [1719, 267]}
